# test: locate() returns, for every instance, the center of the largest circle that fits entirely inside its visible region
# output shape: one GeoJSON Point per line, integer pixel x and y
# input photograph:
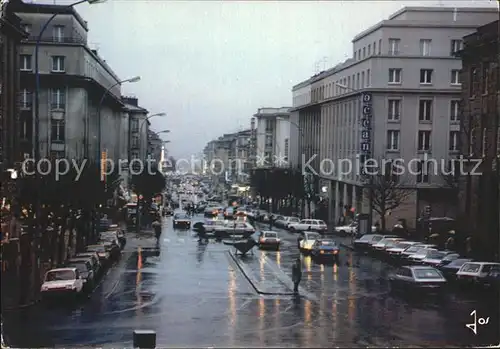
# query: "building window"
{"type": "Point", "coordinates": [423, 170]}
{"type": "Point", "coordinates": [58, 33]}
{"type": "Point", "coordinates": [454, 109]}
{"type": "Point", "coordinates": [363, 79]}
{"type": "Point", "coordinates": [135, 142]}
{"type": "Point", "coordinates": [425, 47]}
{"type": "Point", "coordinates": [456, 45]}
{"type": "Point", "coordinates": [394, 109]}
{"type": "Point", "coordinates": [425, 110]}
{"type": "Point", "coordinates": [394, 46]}
{"type": "Point", "coordinates": [57, 131]}
{"type": "Point", "coordinates": [25, 130]}
{"type": "Point", "coordinates": [394, 76]}
{"type": "Point", "coordinates": [424, 140]}
{"type": "Point", "coordinates": [135, 155]}
{"type": "Point", "coordinates": [374, 48]}
{"type": "Point", "coordinates": [357, 81]}
{"type": "Point", "coordinates": [368, 78]}
{"type": "Point", "coordinates": [485, 78]}
{"type": "Point", "coordinates": [369, 49]}
{"type": "Point", "coordinates": [426, 76]}
{"type": "Point", "coordinates": [380, 47]}
{"type": "Point", "coordinates": [269, 141]}
{"type": "Point", "coordinates": [454, 140]}
{"type": "Point", "coordinates": [390, 172]}
{"type": "Point", "coordinates": [57, 155]}
{"type": "Point", "coordinates": [455, 77]}
{"type": "Point", "coordinates": [134, 125]}
{"type": "Point", "coordinates": [392, 140]}
{"type": "Point", "coordinates": [58, 64]}
{"type": "Point", "coordinates": [25, 99]}
{"type": "Point", "coordinates": [25, 63]}
{"type": "Point", "coordinates": [58, 98]}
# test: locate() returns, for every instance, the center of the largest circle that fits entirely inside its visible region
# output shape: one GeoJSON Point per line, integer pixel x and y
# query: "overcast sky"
{"type": "Point", "coordinates": [210, 64]}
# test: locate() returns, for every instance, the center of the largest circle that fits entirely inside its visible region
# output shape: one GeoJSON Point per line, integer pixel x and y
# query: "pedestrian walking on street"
{"type": "Point", "coordinates": [468, 247]}
{"type": "Point", "coordinates": [296, 275]}
{"type": "Point", "coordinates": [271, 222]}
{"type": "Point", "coordinates": [157, 229]}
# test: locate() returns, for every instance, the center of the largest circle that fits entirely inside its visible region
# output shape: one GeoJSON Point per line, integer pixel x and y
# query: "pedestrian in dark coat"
{"type": "Point", "coordinates": [296, 275]}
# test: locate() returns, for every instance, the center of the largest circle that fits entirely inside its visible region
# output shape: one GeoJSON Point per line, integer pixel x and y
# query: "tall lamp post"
{"type": "Point", "coordinates": [36, 147]}
{"type": "Point", "coordinates": [99, 107]}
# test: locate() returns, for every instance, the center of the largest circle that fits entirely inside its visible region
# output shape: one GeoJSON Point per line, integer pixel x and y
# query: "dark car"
{"type": "Point", "coordinates": [181, 220]}
{"type": "Point", "coordinates": [492, 280]}
{"type": "Point", "coordinates": [93, 257]}
{"type": "Point", "coordinates": [106, 251]}
{"type": "Point", "coordinates": [111, 237]}
{"type": "Point", "coordinates": [417, 279]}
{"type": "Point", "coordinates": [168, 211]}
{"type": "Point", "coordinates": [84, 266]}
{"type": "Point", "coordinates": [325, 249]}
{"type": "Point", "coordinates": [450, 270]}
{"type": "Point", "coordinates": [269, 240]}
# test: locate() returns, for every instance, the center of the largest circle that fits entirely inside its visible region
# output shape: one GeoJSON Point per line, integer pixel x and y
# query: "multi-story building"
{"type": "Point", "coordinates": [480, 135]}
{"type": "Point", "coordinates": [138, 128]}
{"type": "Point", "coordinates": [155, 144]}
{"type": "Point", "coordinates": [240, 163]}
{"type": "Point", "coordinates": [80, 94]}
{"type": "Point", "coordinates": [408, 65]}
{"type": "Point", "coordinates": [272, 137]}
{"type": "Point", "coordinates": [11, 34]}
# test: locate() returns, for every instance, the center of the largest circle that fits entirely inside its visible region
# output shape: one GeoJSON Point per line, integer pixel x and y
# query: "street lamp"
{"type": "Point", "coordinates": [145, 121]}
{"type": "Point", "coordinates": [131, 80]}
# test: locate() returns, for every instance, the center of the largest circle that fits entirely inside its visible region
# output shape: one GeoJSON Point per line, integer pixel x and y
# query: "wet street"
{"type": "Point", "coordinates": [195, 295]}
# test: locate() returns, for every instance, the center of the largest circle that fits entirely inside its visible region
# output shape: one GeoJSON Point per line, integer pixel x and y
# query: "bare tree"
{"type": "Point", "coordinates": [388, 193]}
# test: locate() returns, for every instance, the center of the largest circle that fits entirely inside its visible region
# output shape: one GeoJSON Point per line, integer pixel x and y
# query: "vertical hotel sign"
{"type": "Point", "coordinates": [104, 157]}
{"type": "Point", "coordinates": [366, 129]}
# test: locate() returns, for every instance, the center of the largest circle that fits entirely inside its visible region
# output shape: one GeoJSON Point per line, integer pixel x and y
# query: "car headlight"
{"type": "Point", "coordinates": [322, 252]}
{"type": "Point", "coordinates": [336, 251]}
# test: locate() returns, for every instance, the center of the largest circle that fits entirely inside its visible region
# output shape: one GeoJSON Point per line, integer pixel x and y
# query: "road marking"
{"type": "Point", "coordinates": [112, 289]}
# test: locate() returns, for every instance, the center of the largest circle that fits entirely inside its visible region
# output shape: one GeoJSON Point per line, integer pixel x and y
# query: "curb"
{"type": "Point", "coordinates": [24, 306]}
{"type": "Point", "coordinates": [246, 273]}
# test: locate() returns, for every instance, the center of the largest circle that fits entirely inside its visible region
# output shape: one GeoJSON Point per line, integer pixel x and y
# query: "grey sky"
{"type": "Point", "coordinates": [210, 65]}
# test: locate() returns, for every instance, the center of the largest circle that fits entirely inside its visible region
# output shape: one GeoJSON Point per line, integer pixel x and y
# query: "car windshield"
{"type": "Point", "coordinates": [402, 245]}
{"type": "Point", "coordinates": [366, 238]}
{"type": "Point", "coordinates": [293, 219]}
{"type": "Point", "coordinates": [312, 236]}
{"type": "Point", "coordinates": [81, 266]}
{"type": "Point", "coordinates": [427, 274]}
{"type": "Point", "coordinates": [412, 249]}
{"type": "Point", "coordinates": [377, 239]}
{"type": "Point", "coordinates": [327, 243]}
{"type": "Point", "coordinates": [181, 216]}
{"type": "Point", "coordinates": [391, 244]}
{"type": "Point", "coordinates": [60, 275]}
{"type": "Point", "coordinates": [436, 255]}
{"type": "Point", "coordinates": [471, 267]}
{"type": "Point", "coordinates": [270, 235]}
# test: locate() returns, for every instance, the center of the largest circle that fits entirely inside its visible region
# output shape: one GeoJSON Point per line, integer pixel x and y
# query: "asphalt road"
{"type": "Point", "coordinates": [194, 295]}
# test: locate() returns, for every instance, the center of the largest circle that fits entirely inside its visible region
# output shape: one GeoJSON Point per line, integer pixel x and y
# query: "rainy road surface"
{"type": "Point", "coordinates": [194, 295]}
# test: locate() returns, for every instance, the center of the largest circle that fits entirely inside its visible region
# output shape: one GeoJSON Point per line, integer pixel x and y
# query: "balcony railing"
{"type": "Point", "coordinates": [55, 40]}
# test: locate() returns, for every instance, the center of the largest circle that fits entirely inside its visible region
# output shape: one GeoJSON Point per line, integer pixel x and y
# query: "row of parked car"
{"type": "Point", "coordinates": [425, 265]}
{"type": "Point", "coordinates": [79, 275]}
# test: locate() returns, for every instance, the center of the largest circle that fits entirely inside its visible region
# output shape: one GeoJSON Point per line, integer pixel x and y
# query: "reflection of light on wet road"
{"type": "Point", "coordinates": [307, 323]}
{"type": "Point", "coordinates": [138, 280]}
{"type": "Point", "coordinates": [278, 258]}
{"type": "Point", "coordinates": [322, 276]}
{"type": "Point", "coordinates": [262, 261]}
{"type": "Point", "coordinates": [308, 263]}
{"type": "Point", "coordinates": [232, 305]}
{"type": "Point", "coordinates": [262, 311]}
{"type": "Point", "coordinates": [335, 272]}
{"type": "Point", "coordinates": [351, 310]}
{"type": "Point", "coordinates": [277, 312]}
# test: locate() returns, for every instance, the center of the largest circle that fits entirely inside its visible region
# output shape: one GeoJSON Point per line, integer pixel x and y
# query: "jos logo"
{"type": "Point", "coordinates": [481, 322]}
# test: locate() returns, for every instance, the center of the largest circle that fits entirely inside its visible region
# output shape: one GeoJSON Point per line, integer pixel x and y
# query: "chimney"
{"type": "Point", "coordinates": [94, 52]}
{"type": "Point", "coordinates": [130, 100]}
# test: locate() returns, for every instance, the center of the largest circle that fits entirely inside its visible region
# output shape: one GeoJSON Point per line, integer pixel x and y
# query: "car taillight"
{"type": "Point", "coordinates": [322, 252]}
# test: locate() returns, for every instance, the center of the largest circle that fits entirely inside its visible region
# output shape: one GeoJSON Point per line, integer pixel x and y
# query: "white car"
{"type": "Point", "coordinates": [400, 247]}
{"type": "Point", "coordinates": [62, 281]}
{"type": "Point", "coordinates": [381, 245]}
{"type": "Point", "coordinates": [309, 224]}
{"type": "Point", "coordinates": [474, 272]}
{"type": "Point", "coordinates": [420, 255]}
{"type": "Point", "coordinates": [351, 229]}
{"type": "Point", "coordinates": [307, 240]}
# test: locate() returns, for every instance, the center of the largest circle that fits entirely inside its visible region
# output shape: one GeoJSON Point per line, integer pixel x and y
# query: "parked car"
{"type": "Point", "coordinates": [62, 282]}
{"type": "Point", "coordinates": [417, 279]}
{"type": "Point", "coordinates": [450, 270]}
{"type": "Point", "coordinates": [94, 260]}
{"type": "Point", "coordinates": [168, 211]}
{"type": "Point", "coordinates": [325, 250]}
{"type": "Point", "coordinates": [366, 241]}
{"type": "Point", "coordinates": [492, 280]}
{"type": "Point", "coordinates": [110, 237]}
{"type": "Point", "coordinates": [269, 240]}
{"type": "Point", "coordinates": [212, 212]}
{"type": "Point", "coordinates": [103, 253]}
{"type": "Point", "coordinates": [279, 221]}
{"type": "Point", "coordinates": [309, 225]}
{"type": "Point", "coordinates": [384, 243]}
{"type": "Point", "coordinates": [350, 229]}
{"type": "Point", "coordinates": [291, 220]}
{"type": "Point", "coordinates": [306, 241]}
{"type": "Point", "coordinates": [403, 256]}
{"type": "Point", "coordinates": [435, 258]}
{"type": "Point", "coordinates": [181, 220]}
{"type": "Point", "coordinates": [475, 273]}
{"type": "Point", "coordinates": [84, 266]}
{"type": "Point", "coordinates": [397, 249]}
{"type": "Point", "coordinates": [420, 255]}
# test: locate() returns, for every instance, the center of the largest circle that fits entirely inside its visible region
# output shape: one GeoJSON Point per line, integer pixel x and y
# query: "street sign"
{"type": "Point", "coordinates": [366, 130]}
